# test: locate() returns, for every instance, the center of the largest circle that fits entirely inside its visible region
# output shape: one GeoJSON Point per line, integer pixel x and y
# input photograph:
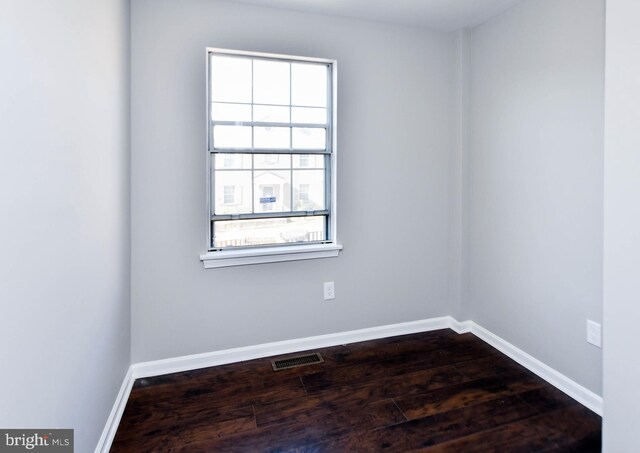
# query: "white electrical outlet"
{"type": "Point", "coordinates": [594, 333]}
{"type": "Point", "coordinates": [329, 291]}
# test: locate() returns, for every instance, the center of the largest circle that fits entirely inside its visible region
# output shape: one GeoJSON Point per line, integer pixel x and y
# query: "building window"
{"type": "Point", "coordinates": [271, 135]}
{"type": "Point", "coordinates": [229, 194]}
{"type": "Point", "coordinates": [304, 160]}
{"type": "Point", "coordinates": [303, 192]}
{"type": "Point", "coordinates": [229, 161]}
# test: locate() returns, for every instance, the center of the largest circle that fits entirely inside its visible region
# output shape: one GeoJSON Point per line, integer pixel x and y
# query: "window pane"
{"type": "Point", "coordinates": [271, 137]}
{"type": "Point", "coordinates": [308, 115]}
{"type": "Point", "coordinates": [271, 82]}
{"type": "Point", "coordinates": [270, 114]}
{"type": "Point", "coordinates": [232, 193]}
{"type": "Point", "coordinates": [269, 161]}
{"type": "Point", "coordinates": [230, 112]}
{"type": "Point", "coordinates": [232, 137]}
{"type": "Point", "coordinates": [308, 190]}
{"type": "Point", "coordinates": [272, 191]}
{"type": "Point", "coordinates": [230, 79]}
{"type": "Point", "coordinates": [308, 161]}
{"type": "Point", "coordinates": [268, 231]}
{"type": "Point", "coordinates": [309, 138]}
{"type": "Point", "coordinates": [235, 161]}
{"type": "Point", "coordinates": [309, 85]}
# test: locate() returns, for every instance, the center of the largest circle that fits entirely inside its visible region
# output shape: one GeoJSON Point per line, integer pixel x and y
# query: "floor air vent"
{"type": "Point", "coordinates": [293, 362]}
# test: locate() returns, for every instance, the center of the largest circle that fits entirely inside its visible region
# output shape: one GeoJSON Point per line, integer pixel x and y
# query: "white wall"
{"type": "Point", "coordinates": [394, 93]}
{"type": "Point", "coordinates": [622, 229]}
{"type": "Point", "coordinates": [64, 225]}
{"type": "Point", "coordinates": [535, 220]}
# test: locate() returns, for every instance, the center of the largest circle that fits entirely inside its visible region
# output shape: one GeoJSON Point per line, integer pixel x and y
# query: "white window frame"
{"type": "Point", "coordinates": [287, 252]}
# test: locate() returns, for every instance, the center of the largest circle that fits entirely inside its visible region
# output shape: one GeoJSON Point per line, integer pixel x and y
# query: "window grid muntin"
{"type": "Point", "coordinates": [329, 107]}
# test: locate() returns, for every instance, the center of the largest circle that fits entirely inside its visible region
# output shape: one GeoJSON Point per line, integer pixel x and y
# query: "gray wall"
{"type": "Point", "coordinates": [64, 226]}
{"type": "Point", "coordinates": [536, 176]}
{"type": "Point", "coordinates": [459, 175]}
{"type": "Point", "coordinates": [393, 142]}
{"type": "Point", "coordinates": [622, 229]}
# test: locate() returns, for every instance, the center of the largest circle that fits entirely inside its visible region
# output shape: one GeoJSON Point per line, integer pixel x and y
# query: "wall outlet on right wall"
{"type": "Point", "coordinates": [594, 333]}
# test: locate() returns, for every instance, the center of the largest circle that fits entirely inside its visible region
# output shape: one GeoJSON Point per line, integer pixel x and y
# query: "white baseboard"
{"type": "Point", "coordinates": [109, 431]}
{"type": "Point", "coordinates": [576, 391]}
{"type": "Point", "coordinates": [460, 327]}
{"type": "Point", "coordinates": [207, 359]}
{"type": "Point", "coordinates": [191, 362]}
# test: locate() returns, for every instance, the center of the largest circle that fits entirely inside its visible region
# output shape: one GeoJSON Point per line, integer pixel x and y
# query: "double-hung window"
{"type": "Point", "coordinates": [271, 137]}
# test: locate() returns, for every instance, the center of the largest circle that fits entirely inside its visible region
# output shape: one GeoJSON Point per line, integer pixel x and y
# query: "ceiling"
{"type": "Point", "coordinates": [445, 15]}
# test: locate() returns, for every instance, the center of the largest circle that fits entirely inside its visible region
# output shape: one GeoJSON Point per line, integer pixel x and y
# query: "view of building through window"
{"type": "Point", "coordinates": [270, 145]}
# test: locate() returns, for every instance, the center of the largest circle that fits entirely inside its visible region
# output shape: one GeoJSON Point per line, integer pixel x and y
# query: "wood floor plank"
{"type": "Point", "coordinates": [323, 403]}
{"type": "Point", "coordinates": [249, 373]}
{"type": "Point", "coordinates": [574, 428]}
{"type": "Point", "coordinates": [172, 414]}
{"type": "Point", "coordinates": [527, 435]}
{"type": "Point", "coordinates": [428, 431]}
{"type": "Point", "coordinates": [243, 393]}
{"type": "Point", "coordinates": [466, 394]}
{"type": "Point", "coordinates": [407, 344]}
{"type": "Point", "coordinates": [400, 364]}
{"type": "Point", "coordinates": [308, 431]}
{"type": "Point", "coordinates": [493, 365]}
{"type": "Point", "coordinates": [548, 399]}
{"type": "Point", "coordinates": [164, 429]}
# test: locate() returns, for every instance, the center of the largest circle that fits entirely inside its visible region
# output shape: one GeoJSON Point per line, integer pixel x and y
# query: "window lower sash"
{"type": "Point", "coordinates": [269, 231]}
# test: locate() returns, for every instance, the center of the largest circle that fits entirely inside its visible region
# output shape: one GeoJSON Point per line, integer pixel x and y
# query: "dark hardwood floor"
{"type": "Point", "coordinates": [433, 392]}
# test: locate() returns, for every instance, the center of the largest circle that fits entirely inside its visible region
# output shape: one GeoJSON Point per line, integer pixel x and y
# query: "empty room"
{"type": "Point", "coordinates": [320, 225]}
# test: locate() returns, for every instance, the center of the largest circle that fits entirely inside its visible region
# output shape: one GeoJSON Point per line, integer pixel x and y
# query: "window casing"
{"type": "Point", "coordinates": [271, 135]}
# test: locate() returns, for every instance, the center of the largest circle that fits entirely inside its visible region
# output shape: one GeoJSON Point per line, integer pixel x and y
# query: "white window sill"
{"type": "Point", "coordinates": [227, 258]}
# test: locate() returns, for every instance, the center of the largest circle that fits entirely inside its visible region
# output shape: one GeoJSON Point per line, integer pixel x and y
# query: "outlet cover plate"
{"type": "Point", "coordinates": [329, 291]}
